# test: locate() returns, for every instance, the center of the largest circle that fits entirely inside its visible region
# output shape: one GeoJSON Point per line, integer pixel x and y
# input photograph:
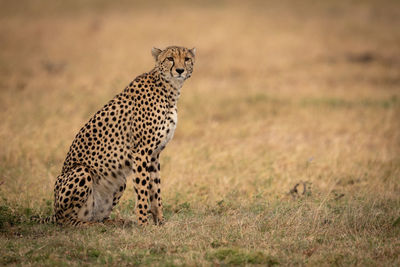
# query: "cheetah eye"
{"type": "Point", "coordinates": [170, 58]}
{"type": "Point", "coordinates": [187, 58]}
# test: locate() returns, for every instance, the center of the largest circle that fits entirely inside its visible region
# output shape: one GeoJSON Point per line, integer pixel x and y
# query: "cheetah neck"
{"type": "Point", "coordinates": [172, 87]}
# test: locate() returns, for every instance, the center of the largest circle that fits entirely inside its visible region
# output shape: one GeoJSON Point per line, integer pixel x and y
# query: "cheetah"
{"type": "Point", "coordinates": [124, 138]}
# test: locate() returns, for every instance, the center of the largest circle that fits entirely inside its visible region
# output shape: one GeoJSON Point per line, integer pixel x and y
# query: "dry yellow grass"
{"type": "Point", "coordinates": [282, 92]}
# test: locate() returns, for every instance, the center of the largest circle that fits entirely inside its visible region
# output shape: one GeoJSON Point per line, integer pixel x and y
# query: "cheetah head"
{"type": "Point", "coordinates": [175, 63]}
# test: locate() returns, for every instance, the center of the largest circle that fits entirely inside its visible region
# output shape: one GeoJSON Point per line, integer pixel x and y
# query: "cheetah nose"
{"type": "Point", "coordinates": [180, 71]}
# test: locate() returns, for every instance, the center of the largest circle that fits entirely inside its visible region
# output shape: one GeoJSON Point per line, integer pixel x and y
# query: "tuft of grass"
{"type": "Point", "coordinates": [7, 217]}
{"type": "Point", "coordinates": [396, 222]}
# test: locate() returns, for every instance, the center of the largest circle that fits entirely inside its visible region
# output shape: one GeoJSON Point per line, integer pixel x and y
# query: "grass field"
{"type": "Point", "coordinates": [283, 93]}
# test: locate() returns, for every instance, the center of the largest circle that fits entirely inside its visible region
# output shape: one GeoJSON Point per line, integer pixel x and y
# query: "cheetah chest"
{"type": "Point", "coordinates": [169, 129]}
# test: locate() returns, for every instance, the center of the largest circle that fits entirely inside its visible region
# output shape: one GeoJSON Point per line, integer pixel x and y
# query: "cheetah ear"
{"type": "Point", "coordinates": [193, 51]}
{"type": "Point", "coordinates": [155, 52]}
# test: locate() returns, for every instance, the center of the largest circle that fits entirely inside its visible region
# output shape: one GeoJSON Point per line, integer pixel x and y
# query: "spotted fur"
{"type": "Point", "coordinates": [124, 138]}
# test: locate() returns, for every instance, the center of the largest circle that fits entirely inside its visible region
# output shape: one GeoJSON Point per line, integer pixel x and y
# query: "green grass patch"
{"type": "Point", "coordinates": [331, 102]}
{"type": "Point", "coordinates": [234, 256]}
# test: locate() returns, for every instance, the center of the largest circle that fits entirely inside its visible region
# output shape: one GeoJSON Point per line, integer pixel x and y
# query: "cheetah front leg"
{"type": "Point", "coordinates": [155, 191]}
{"type": "Point", "coordinates": [141, 184]}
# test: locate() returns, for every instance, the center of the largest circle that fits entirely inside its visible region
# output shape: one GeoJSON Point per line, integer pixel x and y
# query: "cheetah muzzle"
{"type": "Point", "coordinates": [124, 138]}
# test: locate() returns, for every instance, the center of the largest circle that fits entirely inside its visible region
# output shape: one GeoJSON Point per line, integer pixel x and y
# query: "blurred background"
{"type": "Point", "coordinates": [282, 92]}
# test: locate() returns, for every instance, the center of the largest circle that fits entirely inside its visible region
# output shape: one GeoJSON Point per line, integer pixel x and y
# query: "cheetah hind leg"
{"type": "Point", "coordinates": [73, 203]}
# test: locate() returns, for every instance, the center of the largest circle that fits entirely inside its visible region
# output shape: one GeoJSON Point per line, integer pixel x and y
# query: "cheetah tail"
{"type": "Point", "coordinates": [51, 219]}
